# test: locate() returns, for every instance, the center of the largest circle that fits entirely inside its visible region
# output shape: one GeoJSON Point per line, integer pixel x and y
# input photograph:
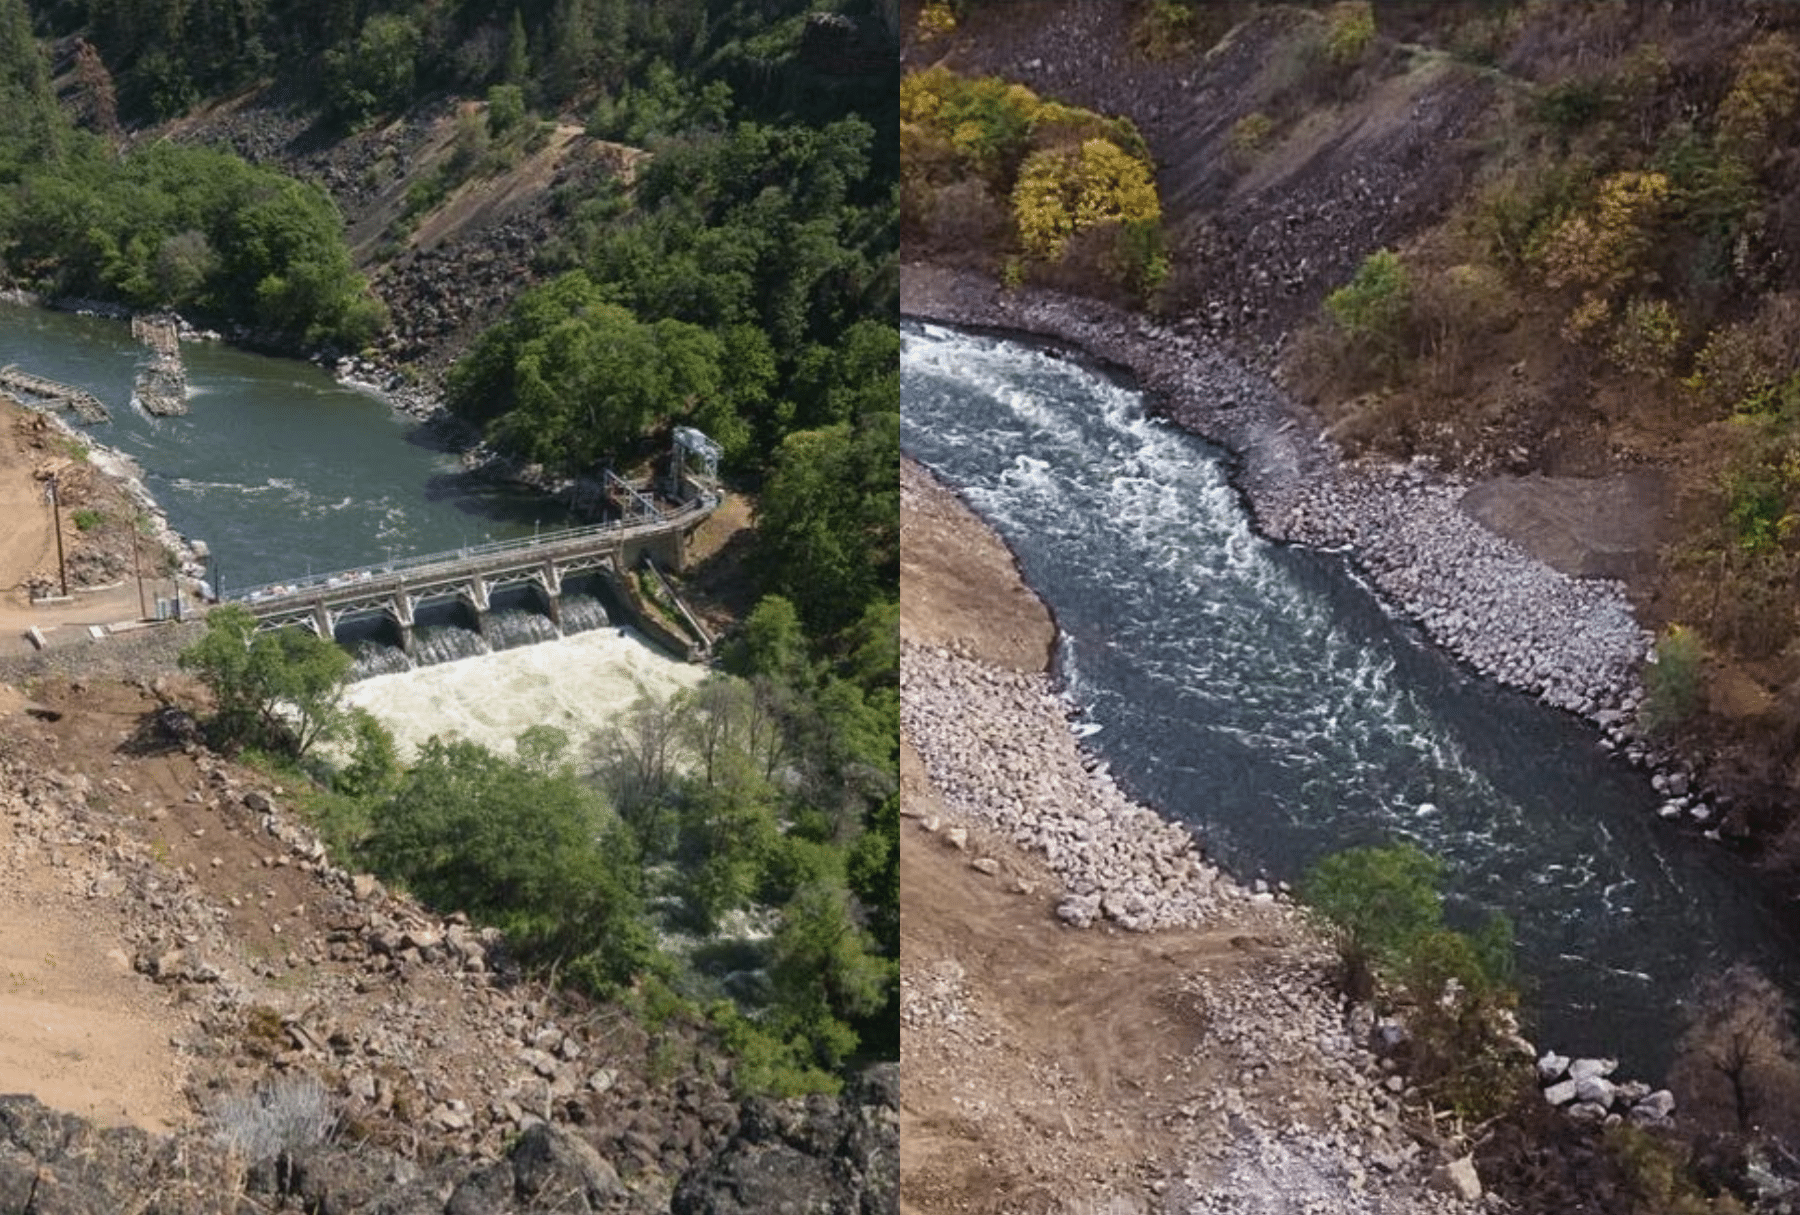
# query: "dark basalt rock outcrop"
{"type": "Point", "coordinates": [812, 1157]}
{"type": "Point", "coordinates": [819, 1155]}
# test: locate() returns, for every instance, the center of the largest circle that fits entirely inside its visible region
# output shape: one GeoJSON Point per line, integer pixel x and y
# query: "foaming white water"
{"type": "Point", "coordinates": [579, 684]}
{"type": "Point", "coordinates": [1253, 691]}
{"type": "Point", "coordinates": [1197, 604]}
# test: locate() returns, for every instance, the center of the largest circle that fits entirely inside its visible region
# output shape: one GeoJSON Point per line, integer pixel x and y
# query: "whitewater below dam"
{"type": "Point", "coordinates": [1263, 695]}
{"type": "Point", "coordinates": [579, 684]}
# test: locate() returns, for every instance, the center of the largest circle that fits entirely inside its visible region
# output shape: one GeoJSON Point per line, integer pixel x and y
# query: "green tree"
{"type": "Point", "coordinates": [570, 376]}
{"type": "Point", "coordinates": [542, 748]}
{"type": "Point", "coordinates": [374, 763]}
{"type": "Point", "coordinates": [536, 854]}
{"type": "Point", "coordinates": [637, 759]}
{"type": "Point", "coordinates": [1672, 683]}
{"type": "Point", "coordinates": [506, 109]}
{"type": "Point", "coordinates": [825, 971]}
{"type": "Point", "coordinates": [1384, 907]}
{"type": "Point", "coordinates": [276, 688]}
{"type": "Point", "coordinates": [829, 520]}
{"type": "Point", "coordinates": [517, 69]}
{"type": "Point", "coordinates": [874, 874]}
{"type": "Point", "coordinates": [727, 834]}
{"type": "Point", "coordinates": [375, 74]}
{"type": "Point", "coordinates": [1378, 902]}
{"type": "Point", "coordinates": [33, 131]}
{"type": "Point", "coordinates": [773, 643]}
{"type": "Point", "coordinates": [1374, 306]}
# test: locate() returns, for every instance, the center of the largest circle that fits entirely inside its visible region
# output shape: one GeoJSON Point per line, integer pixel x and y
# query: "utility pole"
{"type": "Point", "coordinates": [62, 566]}
{"type": "Point", "coordinates": [137, 567]}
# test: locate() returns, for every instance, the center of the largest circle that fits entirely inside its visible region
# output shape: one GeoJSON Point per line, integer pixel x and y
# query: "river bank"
{"type": "Point", "coordinates": [1572, 642]}
{"type": "Point", "coordinates": [1178, 1068]}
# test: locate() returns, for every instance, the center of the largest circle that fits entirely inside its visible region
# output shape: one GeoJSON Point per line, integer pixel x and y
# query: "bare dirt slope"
{"type": "Point", "coordinates": [170, 933]}
{"type": "Point", "coordinates": [78, 1028]}
{"type": "Point", "coordinates": [1029, 1051]}
{"type": "Point", "coordinates": [99, 559]}
{"type": "Point", "coordinates": [1037, 1061]}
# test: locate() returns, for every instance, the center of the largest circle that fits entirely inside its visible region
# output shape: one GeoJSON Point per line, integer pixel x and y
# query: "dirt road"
{"type": "Point", "coordinates": [1035, 1058]}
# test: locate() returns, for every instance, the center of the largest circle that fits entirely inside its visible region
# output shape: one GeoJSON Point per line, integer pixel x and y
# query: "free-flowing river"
{"type": "Point", "coordinates": [1263, 696]}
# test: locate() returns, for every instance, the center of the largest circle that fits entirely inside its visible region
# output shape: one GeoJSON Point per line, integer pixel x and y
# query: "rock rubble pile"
{"type": "Point", "coordinates": [1308, 1115]}
{"type": "Point", "coordinates": [1585, 1091]}
{"type": "Point", "coordinates": [999, 749]}
{"type": "Point", "coordinates": [423, 1034]}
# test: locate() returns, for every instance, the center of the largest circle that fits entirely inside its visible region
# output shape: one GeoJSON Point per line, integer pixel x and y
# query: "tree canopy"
{"type": "Point", "coordinates": [188, 228]}
{"type": "Point", "coordinates": [530, 850]}
{"type": "Point", "coordinates": [276, 688]}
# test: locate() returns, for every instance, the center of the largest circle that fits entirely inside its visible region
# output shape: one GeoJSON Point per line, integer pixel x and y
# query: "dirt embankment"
{"type": "Point", "coordinates": [175, 939]}
{"type": "Point", "coordinates": [114, 557]}
{"type": "Point", "coordinates": [1049, 1068]}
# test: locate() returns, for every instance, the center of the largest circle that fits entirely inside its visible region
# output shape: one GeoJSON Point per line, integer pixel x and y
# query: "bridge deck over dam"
{"type": "Point", "coordinates": [397, 588]}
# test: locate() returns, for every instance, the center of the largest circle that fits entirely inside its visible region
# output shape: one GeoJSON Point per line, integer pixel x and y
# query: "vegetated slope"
{"type": "Point", "coordinates": [471, 178]}
{"type": "Point", "coordinates": [1593, 234]}
{"type": "Point", "coordinates": [274, 971]}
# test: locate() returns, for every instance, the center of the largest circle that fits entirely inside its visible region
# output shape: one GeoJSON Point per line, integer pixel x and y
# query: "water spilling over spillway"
{"type": "Point", "coordinates": [578, 684]}
{"type": "Point", "coordinates": [1260, 694]}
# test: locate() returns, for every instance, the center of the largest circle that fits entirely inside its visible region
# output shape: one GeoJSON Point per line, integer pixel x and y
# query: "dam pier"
{"type": "Point", "coordinates": [648, 529]}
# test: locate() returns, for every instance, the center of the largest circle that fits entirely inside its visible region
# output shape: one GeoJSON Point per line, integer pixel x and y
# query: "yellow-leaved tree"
{"type": "Point", "coordinates": [1605, 249]}
{"type": "Point", "coordinates": [1063, 191]}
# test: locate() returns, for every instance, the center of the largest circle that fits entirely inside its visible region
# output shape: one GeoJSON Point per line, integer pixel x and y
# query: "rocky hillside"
{"type": "Point", "coordinates": [1584, 310]}
{"type": "Point", "coordinates": [448, 225]}
{"type": "Point", "coordinates": [335, 1046]}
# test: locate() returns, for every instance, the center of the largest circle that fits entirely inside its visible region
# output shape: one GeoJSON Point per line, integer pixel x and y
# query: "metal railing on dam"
{"type": "Point", "coordinates": [396, 588]}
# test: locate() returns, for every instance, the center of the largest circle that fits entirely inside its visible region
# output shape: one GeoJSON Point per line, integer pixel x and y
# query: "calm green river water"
{"type": "Point", "coordinates": [277, 468]}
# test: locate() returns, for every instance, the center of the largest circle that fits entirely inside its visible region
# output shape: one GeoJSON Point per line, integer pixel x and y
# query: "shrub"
{"type": "Point", "coordinates": [1569, 105]}
{"type": "Point", "coordinates": [1165, 29]}
{"type": "Point", "coordinates": [1604, 246]}
{"type": "Point", "coordinates": [1374, 306]}
{"type": "Point", "coordinates": [1761, 100]}
{"type": "Point", "coordinates": [1743, 365]}
{"type": "Point", "coordinates": [1672, 680]}
{"type": "Point", "coordinates": [1378, 901]}
{"type": "Point", "coordinates": [1516, 213]}
{"type": "Point", "coordinates": [87, 519]}
{"type": "Point", "coordinates": [1384, 908]}
{"type": "Point", "coordinates": [1250, 135]}
{"type": "Point", "coordinates": [1349, 30]}
{"type": "Point", "coordinates": [1454, 310]}
{"type": "Point", "coordinates": [1646, 338]}
{"type": "Point", "coordinates": [284, 1118]}
{"type": "Point", "coordinates": [936, 18]}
